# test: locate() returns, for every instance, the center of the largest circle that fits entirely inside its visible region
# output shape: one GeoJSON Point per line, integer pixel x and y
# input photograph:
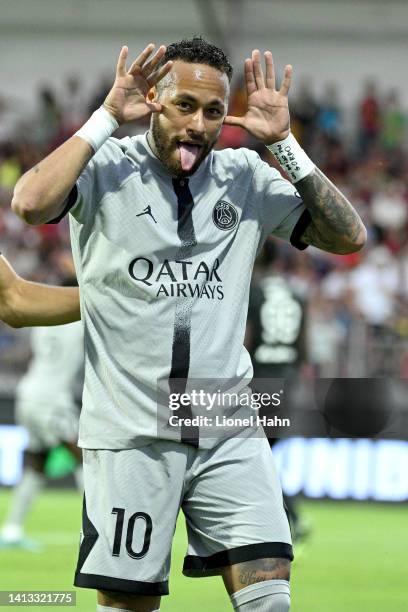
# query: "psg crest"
{"type": "Point", "coordinates": [225, 215]}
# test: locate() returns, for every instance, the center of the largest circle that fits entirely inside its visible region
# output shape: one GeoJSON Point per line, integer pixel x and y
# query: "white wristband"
{"type": "Point", "coordinates": [292, 158]}
{"type": "Point", "coordinates": [98, 128]}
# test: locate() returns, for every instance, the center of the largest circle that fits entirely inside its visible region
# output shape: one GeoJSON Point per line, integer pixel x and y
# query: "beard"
{"type": "Point", "coordinates": [166, 148]}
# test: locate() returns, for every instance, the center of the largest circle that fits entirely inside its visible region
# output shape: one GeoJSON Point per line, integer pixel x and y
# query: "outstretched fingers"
{"type": "Point", "coordinates": [287, 80]}
{"type": "Point", "coordinates": [249, 77]}
{"type": "Point", "coordinates": [121, 65]}
{"type": "Point", "coordinates": [149, 67]}
{"type": "Point", "coordinates": [159, 74]}
{"type": "Point", "coordinates": [258, 72]}
{"type": "Point", "coordinates": [141, 59]}
{"type": "Point", "coordinates": [254, 76]}
{"type": "Point", "coordinates": [270, 70]}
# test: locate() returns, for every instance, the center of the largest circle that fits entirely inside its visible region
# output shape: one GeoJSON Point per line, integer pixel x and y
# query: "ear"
{"type": "Point", "coordinates": [152, 95]}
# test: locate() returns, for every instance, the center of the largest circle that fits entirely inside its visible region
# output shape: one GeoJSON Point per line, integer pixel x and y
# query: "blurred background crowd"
{"type": "Point", "coordinates": [357, 304]}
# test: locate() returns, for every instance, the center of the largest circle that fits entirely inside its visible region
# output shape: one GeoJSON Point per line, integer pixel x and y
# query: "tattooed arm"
{"type": "Point", "coordinates": [336, 227]}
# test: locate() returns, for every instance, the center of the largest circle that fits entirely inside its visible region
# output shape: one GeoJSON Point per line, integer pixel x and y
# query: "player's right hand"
{"type": "Point", "coordinates": [127, 100]}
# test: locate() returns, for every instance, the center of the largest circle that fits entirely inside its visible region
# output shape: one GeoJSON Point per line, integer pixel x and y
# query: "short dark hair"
{"type": "Point", "coordinates": [196, 50]}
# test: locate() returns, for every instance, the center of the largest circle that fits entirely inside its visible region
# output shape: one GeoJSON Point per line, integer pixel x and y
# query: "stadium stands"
{"type": "Point", "coordinates": [362, 296]}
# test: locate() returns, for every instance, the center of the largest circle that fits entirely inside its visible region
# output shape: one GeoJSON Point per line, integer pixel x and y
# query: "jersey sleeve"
{"type": "Point", "coordinates": [80, 198]}
{"type": "Point", "coordinates": [84, 195]}
{"type": "Point", "coordinates": [99, 177]}
{"type": "Point", "coordinates": [282, 212]}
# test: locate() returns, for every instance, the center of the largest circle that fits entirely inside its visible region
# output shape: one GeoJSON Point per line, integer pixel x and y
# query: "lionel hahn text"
{"type": "Point", "coordinates": [223, 421]}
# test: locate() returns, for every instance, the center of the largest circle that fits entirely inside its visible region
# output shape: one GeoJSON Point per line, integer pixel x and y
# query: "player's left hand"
{"type": "Point", "coordinates": [267, 117]}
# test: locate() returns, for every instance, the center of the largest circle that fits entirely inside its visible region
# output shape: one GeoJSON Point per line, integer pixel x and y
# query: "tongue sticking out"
{"type": "Point", "coordinates": [188, 155]}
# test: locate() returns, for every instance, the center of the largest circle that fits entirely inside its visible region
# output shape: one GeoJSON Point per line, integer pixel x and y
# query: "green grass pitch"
{"type": "Point", "coordinates": [356, 558]}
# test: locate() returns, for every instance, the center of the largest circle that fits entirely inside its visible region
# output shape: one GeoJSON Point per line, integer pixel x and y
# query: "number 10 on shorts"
{"type": "Point", "coordinates": [138, 520]}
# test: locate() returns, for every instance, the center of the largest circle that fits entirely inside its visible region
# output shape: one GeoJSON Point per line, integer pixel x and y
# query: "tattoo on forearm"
{"type": "Point", "coordinates": [260, 570]}
{"type": "Point", "coordinates": [336, 226]}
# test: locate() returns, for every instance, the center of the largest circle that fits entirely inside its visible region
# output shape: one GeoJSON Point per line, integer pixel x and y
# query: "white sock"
{"type": "Point", "coordinates": [23, 496]}
{"type": "Point", "coordinates": [268, 596]}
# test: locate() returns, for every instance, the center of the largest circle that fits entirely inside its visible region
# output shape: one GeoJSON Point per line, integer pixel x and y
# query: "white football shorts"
{"type": "Point", "coordinates": [230, 495]}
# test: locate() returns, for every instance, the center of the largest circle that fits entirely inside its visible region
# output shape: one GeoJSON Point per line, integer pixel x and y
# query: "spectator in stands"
{"type": "Point", "coordinates": [305, 113]}
{"type": "Point", "coordinates": [329, 120]}
{"type": "Point", "coordinates": [369, 118]}
{"type": "Point", "coordinates": [393, 123]}
{"type": "Point", "coordinates": [49, 117]}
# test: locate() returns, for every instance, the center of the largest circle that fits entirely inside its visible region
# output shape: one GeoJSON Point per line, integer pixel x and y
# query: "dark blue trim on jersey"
{"type": "Point", "coordinates": [70, 201]}
{"type": "Point", "coordinates": [120, 585]}
{"type": "Point", "coordinates": [303, 222]}
{"type": "Point", "coordinates": [180, 354]}
{"type": "Point", "coordinates": [196, 567]}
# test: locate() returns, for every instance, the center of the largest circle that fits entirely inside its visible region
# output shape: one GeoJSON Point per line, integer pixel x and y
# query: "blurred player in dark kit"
{"type": "Point", "coordinates": [276, 340]}
{"type": "Point", "coordinates": [276, 320]}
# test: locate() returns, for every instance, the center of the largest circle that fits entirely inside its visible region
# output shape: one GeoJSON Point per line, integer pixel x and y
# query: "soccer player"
{"type": "Point", "coordinates": [45, 403]}
{"type": "Point", "coordinates": [45, 406]}
{"type": "Point", "coordinates": [164, 295]}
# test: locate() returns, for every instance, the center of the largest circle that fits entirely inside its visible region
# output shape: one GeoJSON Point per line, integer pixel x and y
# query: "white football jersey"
{"type": "Point", "coordinates": [164, 268]}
